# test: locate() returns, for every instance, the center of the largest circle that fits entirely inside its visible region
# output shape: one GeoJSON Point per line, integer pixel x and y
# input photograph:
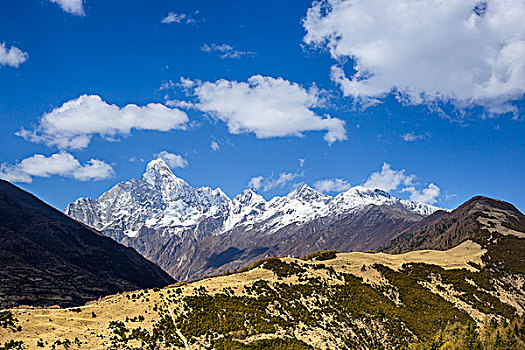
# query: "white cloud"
{"type": "Point", "coordinates": [411, 137]}
{"type": "Point", "coordinates": [215, 146]}
{"type": "Point", "coordinates": [12, 57]}
{"type": "Point", "coordinates": [225, 51]}
{"type": "Point", "coordinates": [74, 123]}
{"type": "Point", "coordinates": [59, 164]}
{"type": "Point", "coordinates": [425, 195]}
{"type": "Point", "coordinates": [388, 179]}
{"type": "Point", "coordinates": [468, 52]}
{"type": "Point", "coordinates": [332, 185]}
{"type": "Point", "coordinates": [256, 182]}
{"type": "Point", "coordinates": [74, 7]}
{"type": "Point", "coordinates": [268, 107]}
{"type": "Point", "coordinates": [173, 160]}
{"type": "Point", "coordinates": [260, 183]}
{"type": "Point", "coordinates": [301, 162]}
{"type": "Point", "coordinates": [180, 18]}
{"type": "Point", "coordinates": [173, 17]}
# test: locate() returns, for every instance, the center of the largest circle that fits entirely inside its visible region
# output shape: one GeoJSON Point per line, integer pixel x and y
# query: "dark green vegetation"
{"type": "Point", "coordinates": [321, 255]}
{"type": "Point", "coordinates": [476, 294]}
{"type": "Point", "coordinates": [349, 312]}
{"type": "Point", "coordinates": [7, 320]}
{"type": "Point", "coordinates": [506, 336]}
{"type": "Point", "coordinates": [13, 345]}
{"type": "Point", "coordinates": [10, 322]}
{"type": "Point", "coordinates": [274, 344]}
{"type": "Point", "coordinates": [163, 333]}
{"type": "Point", "coordinates": [280, 268]}
{"type": "Point", "coordinates": [423, 311]}
{"type": "Point", "coordinates": [47, 258]}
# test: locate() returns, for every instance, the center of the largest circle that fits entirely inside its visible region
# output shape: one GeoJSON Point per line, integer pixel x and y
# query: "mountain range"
{"type": "Point", "coordinates": [191, 232]}
{"type": "Point", "coordinates": [470, 296]}
{"type": "Point", "coordinates": [442, 279]}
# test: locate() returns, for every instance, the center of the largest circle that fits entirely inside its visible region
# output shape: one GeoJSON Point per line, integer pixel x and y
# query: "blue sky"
{"type": "Point", "coordinates": [463, 139]}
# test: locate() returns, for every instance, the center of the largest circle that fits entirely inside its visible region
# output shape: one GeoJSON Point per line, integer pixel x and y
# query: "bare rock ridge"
{"type": "Point", "coordinates": [195, 231]}
{"type": "Point", "coordinates": [46, 258]}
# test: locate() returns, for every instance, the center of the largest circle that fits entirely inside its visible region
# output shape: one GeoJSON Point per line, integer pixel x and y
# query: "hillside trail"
{"type": "Point", "coordinates": [177, 330]}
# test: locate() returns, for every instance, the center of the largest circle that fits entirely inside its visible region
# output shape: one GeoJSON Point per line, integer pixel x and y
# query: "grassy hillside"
{"type": "Point", "coordinates": [323, 301]}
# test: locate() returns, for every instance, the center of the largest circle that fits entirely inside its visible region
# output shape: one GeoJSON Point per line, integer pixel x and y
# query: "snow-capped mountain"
{"type": "Point", "coordinates": [160, 208]}
{"type": "Point", "coordinates": [158, 199]}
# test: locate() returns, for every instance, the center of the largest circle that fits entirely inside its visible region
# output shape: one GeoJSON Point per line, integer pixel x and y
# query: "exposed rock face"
{"type": "Point", "coordinates": [46, 258]}
{"type": "Point", "coordinates": [195, 231]}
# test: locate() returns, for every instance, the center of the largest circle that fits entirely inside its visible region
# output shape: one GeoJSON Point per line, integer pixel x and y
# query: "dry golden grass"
{"type": "Point", "coordinates": [93, 333]}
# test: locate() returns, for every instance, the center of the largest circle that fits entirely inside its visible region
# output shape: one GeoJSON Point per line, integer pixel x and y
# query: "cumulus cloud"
{"type": "Point", "coordinates": [266, 184]}
{"type": "Point", "coordinates": [225, 51]}
{"type": "Point", "coordinates": [425, 195]}
{"type": "Point", "coordinates": [74, 7]}
{"type": "Point", "coordinates": [389, 179]}
{"type": "Point", "coordinates": [266, 106]}
{"type": "Point", "coordinates": [59, 164]}
{"type": "Point", "coordinates": [12, 57]}
{"type": "Point", "coordinates": [173, 160]}
{"type": "Point", "coordinates": [215, 146]}
{"type": "Point", "coordinates": [468, 52]}
{"type": "Point", "coordinates": [332, 185]}
{"type": "Point", "coordinates": [74, 123]}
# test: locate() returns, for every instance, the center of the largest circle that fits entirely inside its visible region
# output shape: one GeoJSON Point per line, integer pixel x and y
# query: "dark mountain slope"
{"type": "Point", "coordinates": [47, 258]}
{"type": "Point", "coordinates": [496, 225]}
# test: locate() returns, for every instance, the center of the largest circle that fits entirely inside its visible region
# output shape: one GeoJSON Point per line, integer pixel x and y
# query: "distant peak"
{"type": "Point", "coordinates": [306, 192]}
{"type": "Point", "coordinates": [305, 188]}
{"type": "Point", "coordinates": [368, 191]}
{"type": "Point", "coordinates": [248, 195]}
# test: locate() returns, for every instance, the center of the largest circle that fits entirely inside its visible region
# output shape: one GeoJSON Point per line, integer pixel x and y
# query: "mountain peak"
{"type": "Point", "coordinates": [367, 191]}
{"type": "Point", "coordinates": [486, 202]}
{"type": "Point", "coordinates": [307, 193]}
{"type": "Point", "coordinates": [249, 195]}
{"type": "Point", "coordinates": [158, 165]}
{"type": "Point", "coordinates": [158, 173]}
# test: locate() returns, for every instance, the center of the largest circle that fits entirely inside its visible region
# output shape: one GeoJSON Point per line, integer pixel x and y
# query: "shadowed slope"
{"type": "Point", "coordinates": [47, 258]}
